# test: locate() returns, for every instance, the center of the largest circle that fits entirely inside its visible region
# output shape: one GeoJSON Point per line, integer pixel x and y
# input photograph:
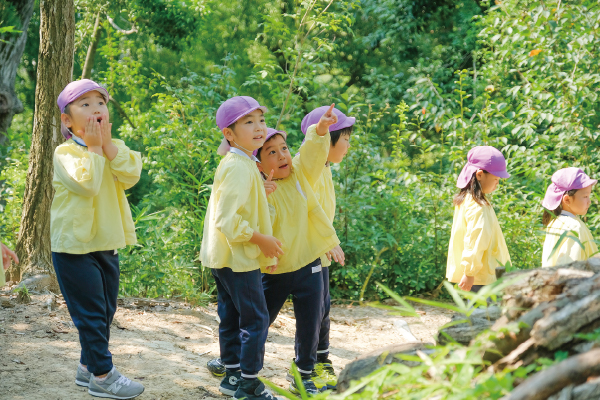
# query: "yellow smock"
{"type": "Point", "coordinates": [477, 245]}
{"type": "Point", "coordinates": [569, 249]}
{"type": "Point", "coordinates": [325, 192]}
{"type": "Point", "coordinates": [237, 207]}
{"type": "Point", "coordinates": [300, 223]}
{"type": "Point", "coordinates": [90, 211]}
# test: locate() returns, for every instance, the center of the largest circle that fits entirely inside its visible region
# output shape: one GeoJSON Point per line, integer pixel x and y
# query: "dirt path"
{"type": "Point", "coordinates": [166, 345]}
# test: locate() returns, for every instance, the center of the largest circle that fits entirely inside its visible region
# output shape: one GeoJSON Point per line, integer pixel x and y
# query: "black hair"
{"type": "Point", "coordinates": [67, 109]}
{"type": "Point", "coordinates": [268, 140]}
{"type": "Point", "coordinates": [547, 217]}
{"type": "Point", "coordinates": [336, 135]}
{"type": "Point", "coordinates": [474, 188]}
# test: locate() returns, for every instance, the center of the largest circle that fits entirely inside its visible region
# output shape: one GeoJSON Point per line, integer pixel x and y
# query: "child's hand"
{"type": "Point", "coordinates": [466, 283]}
{"type": "Point", "coordinates": [270, 186]}
{"type": "Point", "coordinates": [271, 268]}
{"type": "Point", "coordinates": [109, 148]}
{"type": "Point", "coordinates": [270, 246]}
{"type": "Point", "coordinates": [105, 130]}
{"type": "Point", "coordinates": [337, 254]}
{"type": "Point", "coordinates": [327, 119]}
{"type": "Point", "coordinates": [92, 136]}
{"type": "Point", "coordinates": [7, 254]}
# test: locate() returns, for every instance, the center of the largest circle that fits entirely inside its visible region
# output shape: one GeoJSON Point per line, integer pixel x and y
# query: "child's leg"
{"type": "Point", "coordinates": [229, 327]}
{"type": "Point", "coordinates": [245, 291]}
{"type": "Point", "coordinates": [308, 308]}
{"type": "Point", "coordinates": [323, 347]}
{"type": "Point", "coordinates": [89, 284]}
{"type": "Point", "coordinates": [277, 288]}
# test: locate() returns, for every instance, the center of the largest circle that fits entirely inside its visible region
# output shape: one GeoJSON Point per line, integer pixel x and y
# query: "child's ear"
{"type": "Point", "coordinates": [479, 174]}
{"type": "Point", "coordinates": [260, 168]}
{"type": "Point", "coordinates": [66, 119]}
{"type": "Point", "coordinates": [228, 133]}
{"type": "Point", "coordinates": [567, 199]}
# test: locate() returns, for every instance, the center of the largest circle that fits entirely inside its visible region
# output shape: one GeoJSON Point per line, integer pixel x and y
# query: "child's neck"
{"type": "Point", "coordinates": [565, 207]}
{"type": "Point", "coordinates": [247, 152]}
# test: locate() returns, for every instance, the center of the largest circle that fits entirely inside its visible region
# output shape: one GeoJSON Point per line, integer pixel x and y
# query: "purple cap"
{"type": "Point", "coordinates": [270, 133]}
{"type": "Point", "coordinates": [72, 92]}
{"type": "Point", "coordinates": [487, 158]}
{"type": "Point", "coordinates": [232, 110]}
{"type": "Point", "coordinates": [315, 115]}
{"type": "Point", "coordinates": [564, 180]}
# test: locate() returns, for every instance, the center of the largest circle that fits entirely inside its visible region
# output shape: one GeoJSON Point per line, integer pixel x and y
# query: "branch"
{"type": "Point", "coordinates": [121, 111]}
{"type": "Point", "coordinates": [123, 31]}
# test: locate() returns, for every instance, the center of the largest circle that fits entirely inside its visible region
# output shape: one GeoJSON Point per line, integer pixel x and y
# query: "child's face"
{"type": "Point", "coordinates": [339, 151]}
{"type": "Point", "coordinates": [275, 155]}
{"type": "Point", "coordinates": [90, 104]}
{"type": "Point", "coordinates": [579, 203]}
{"type": "Point", "coordinates": [488, 182]}
{"type": "Point", "coordinates": [250, 131]}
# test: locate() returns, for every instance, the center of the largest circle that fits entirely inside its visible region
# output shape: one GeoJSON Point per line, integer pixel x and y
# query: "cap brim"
{"type": "Point", "coordinates": [500, 174]}
{"type": "Point", "coordinates": [348, 122]}
{"type": "Point", "coordinates": [246, 112]}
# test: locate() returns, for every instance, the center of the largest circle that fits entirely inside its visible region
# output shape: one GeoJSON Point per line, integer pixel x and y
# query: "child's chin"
{"type": "Point", "coordinates": [283, 173]}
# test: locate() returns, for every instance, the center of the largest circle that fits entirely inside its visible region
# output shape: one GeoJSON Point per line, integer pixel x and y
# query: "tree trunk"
{"type": "Point", "coordinates": [55, 69]}
{"type": "Point", "coordinates": [91, 53]}
{"type": "Point", "coordinates": [11, 50]}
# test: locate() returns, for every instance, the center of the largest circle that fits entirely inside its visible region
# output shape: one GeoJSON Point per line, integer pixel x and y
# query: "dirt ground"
{"type": "Point", "coordinates": [166, 345]}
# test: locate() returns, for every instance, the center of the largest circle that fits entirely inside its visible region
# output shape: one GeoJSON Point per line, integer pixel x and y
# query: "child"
{"type": "Point", "coordinates": [236, 244]}
{"type": "Point", "coordinates": [340, 133]}
{"type": "Point", "coordinates": [306, 233]}
{"type": "Point", "coordinates": [568, 196]}
{"type": "Point", "coordinates": [7, 254]}
{"type": "Point", "coordinates": [90, 220]}
{"type": "Point", "coordinates": [477, 244]}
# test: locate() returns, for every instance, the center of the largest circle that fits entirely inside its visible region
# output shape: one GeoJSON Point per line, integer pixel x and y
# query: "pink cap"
{"type": "Point", "coordinates": [564, 180]}
{"type": "Point", "coordinates": [486, 158]}
{"type": "Point", "coordinates": [232, 110]}
{"type": "Point", "coordinates": [270, 133]}
{"type": "Point", "coordinates": [72, 92]}
{"type": "Point", "coordinates": [315, 115]}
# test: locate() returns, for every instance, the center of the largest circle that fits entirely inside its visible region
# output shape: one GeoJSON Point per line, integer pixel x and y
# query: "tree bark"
{"type": "Point", "coordinates": [91, 53]}
{"type": "Point", "coordinates": [11, 50]}
{"type": "Point", "coordinates": [55, 69]}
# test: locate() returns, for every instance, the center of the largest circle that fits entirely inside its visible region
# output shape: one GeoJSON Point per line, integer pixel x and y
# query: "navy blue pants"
{"type": "Point", "coordinates": [323, 347]}
{"type": "Point", "coordinates": [306, 288]}
{"type": "Point", "coordinates": [244, 320]}
{"type": "Point", "coordinates": [90, 285]}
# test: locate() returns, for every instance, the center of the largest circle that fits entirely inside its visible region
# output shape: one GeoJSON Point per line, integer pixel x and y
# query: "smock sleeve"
{"type": "Point", "coordinates": [127, 165]}
{"type": "Point", "coordinates": [79, 171]}
{"type": "Point", "coordinates": [313, 155]}
{"type": "Point", "coordinates": [232, 198]}
{"type": "Point", "coordinates": [477, 239]}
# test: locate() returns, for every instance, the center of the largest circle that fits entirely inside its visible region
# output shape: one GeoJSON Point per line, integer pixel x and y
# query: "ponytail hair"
{"type": "Point", "coordinates": [474, 189]}
{"type": "Point", "coordinates": [547, 217]}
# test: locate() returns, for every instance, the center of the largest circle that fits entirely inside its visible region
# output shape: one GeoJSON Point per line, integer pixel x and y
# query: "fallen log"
{"type": "Point", "coordinates": [574, 370]}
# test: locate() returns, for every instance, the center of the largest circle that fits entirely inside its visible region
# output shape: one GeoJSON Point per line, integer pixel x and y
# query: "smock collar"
{"type": "Point", "coordinates": [239, 152]}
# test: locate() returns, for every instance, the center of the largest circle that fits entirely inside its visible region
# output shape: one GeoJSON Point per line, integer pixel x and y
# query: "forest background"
{"type": "Point", "coordinates": [426, 80]}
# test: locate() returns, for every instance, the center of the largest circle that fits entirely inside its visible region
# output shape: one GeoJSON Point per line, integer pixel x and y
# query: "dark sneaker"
{"type": "Point", "coordinates": [83, 377]}
{"type": "Point", "coordinates": [230, 383]}
{"type": "Point", "coordinates": [325, 371]}
{"type": "Point", "coordinates": [253, 389]}
{"type": "Point", "coordinates": [216, 367]}
{"type": "Point", "coordinates": [309, 386]}
{"type": "Point", "coordinates": [115, 386]}
{"type": "Point", "coordinates": [319, 383]}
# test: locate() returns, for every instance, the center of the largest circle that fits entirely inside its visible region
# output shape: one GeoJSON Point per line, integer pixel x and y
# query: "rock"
{"type": "Point", "coordinates": [367, 363]}
{"type": "Point", "coordinates": [588, 391]}
{"type": "Point", "coordinates": [480, 320]}
{"type": "Point", "coordinates": [36, 282]}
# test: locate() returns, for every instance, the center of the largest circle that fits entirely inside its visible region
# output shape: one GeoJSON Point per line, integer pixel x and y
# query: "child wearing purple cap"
{"type": "Point", "coordinates": [238, 242]}
{"type": "Point", "coordinates": [567, 197]}
{"type": "Point", "coordinates": [340, 134]}
{"type": "Point", "coordinates": [89, 220]}
{"type": "Point", "coordinates": [306, 233]}
{"type": "Point", "coordinates": [477, 245]}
